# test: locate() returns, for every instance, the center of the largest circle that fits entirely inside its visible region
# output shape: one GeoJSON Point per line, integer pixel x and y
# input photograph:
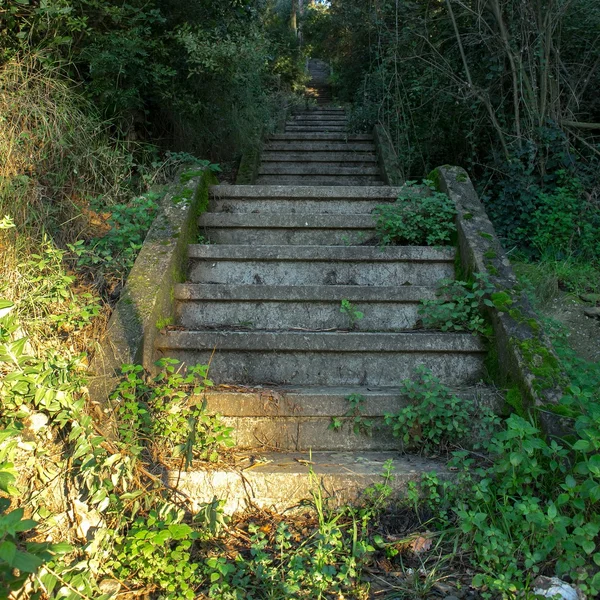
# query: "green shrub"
{"type": "Point", "coordinates": [436, 420]}
{"type": "Point", "coordinates": [566, 222]}
{"type": "Point", "coordinates": [420, 216]}
{"type": "Point", "coordinates": [156, 553]}
{"type": "Point", "coordinates": [460, 306]}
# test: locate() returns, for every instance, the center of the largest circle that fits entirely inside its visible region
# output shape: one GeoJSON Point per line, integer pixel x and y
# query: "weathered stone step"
{"type": "Point", "coordinates": [386, 193]}
{"type": "Point", "coordinates": [320, 265]}
{"type": "Point", "coordinates": [285, 168]}
{"type": "Point", "coordinates": [327, 137]}
{"type": "Point", "coordinates": [320, 110]}
{"type": "Point", "coordinates": [319, 180]}
{"type": "Point", "coordinates": [280, 481]}
{"type": "Point", "coordinates": [337, 158]}
{"type": "Point", "coordinates": [280, 229]}
{"type": "Point", "coordinates": [328, 402]}
{"type": "Point", "coordinates": [331, 359]}
{"type": "Point", "coordinates": [321, 129]}
{"type": "Point", "coordinates": [265, 307]}
{"type": "Point", "coordinates": [319, 146]}
{"type": "Point", "coordinates": [299, 199]}
{"type": "Point", "coordinates": [318, 118]}
{"type": "Point", "coordinates": [299, 419]}
{"type": "Point", "coordinates": [297, 434]}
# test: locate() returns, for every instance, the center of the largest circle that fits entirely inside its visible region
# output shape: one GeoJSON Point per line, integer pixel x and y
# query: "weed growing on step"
{"type": "Point", "coordinates": [459, 306]}
{"type": "Point", "coordinates": [435, 420]}
{"type": "Point", "coordinates": [360, 425]}
{"type": "Point", "coordinates": [421, 216]}
{"type": "Point", "coordinates": [169, 413]}
{"type": "Point", "coordinates": [354, 315]}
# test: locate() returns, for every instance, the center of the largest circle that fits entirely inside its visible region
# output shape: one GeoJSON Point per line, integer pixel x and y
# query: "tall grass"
{"type": "Point", "coordinates": [55, 155]}
{"type": "Point", "coordinates": [55, 152]}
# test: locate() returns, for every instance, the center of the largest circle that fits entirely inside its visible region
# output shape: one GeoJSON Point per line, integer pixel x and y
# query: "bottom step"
{"type": "Point", "coordinates": [282, 482]}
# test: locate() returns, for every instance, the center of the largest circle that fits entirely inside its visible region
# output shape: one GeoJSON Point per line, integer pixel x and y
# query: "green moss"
{"type": "Point", "coordinates": [534, 325]}
{"type": "Point", "coordinates": [164, 322]}
{"type": "Point", "coordinates": [467, 216]}
{"type": "Point", "coordinates": [462, 177]}
{"type": "Point", "coordinates": [542, 363]}
{"type": "Point", "coordinates": [490, 254]}
{"type": "Point", "coordinates": [501, 300]}
{"type": "Point", "coordinates": [486, 236]}
{"type": "Point", "coordinates": [491, 269]}
{"type": "Point", "coordinates": [434, 177]}
{"type": "Point", "coordinates": [248, 169]}
{"type": "Point", "coordinates": [517, 315]}
{"type": "Point", "coordinates": [514, 402]}
{"type": "Point", "coordinates": [492, 366]}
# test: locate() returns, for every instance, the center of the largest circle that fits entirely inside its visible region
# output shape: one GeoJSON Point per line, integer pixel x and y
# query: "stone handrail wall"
{"type": "Point", "coordinates": [525, 355]}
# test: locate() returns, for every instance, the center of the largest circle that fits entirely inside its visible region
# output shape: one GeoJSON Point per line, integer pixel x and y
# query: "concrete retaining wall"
{"type": "Point", "coordinates": [146, 303]}
{"type": "Point", "coordinates": [525, 356]}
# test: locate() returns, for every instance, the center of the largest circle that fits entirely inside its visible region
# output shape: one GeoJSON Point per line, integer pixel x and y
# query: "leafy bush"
{"type": "Point", "coordinates": [156, 553]}
{"type": "Point", "coordinates": [419, 216]}
{"type": "Point", "coordinates": [114, 253]}
{"type": "Point", "coordinates": [168, 413]}
{"type": "Point", "coordinates": [459, 307]}
{"type": "Point", "coordinates": [567, 223]}
{"type": "Point", "coordinates": [435, 419]}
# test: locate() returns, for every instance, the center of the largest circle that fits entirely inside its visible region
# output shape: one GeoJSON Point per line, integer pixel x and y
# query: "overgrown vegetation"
{"type": "Point", "coordinates": [421, 216]}
{"type": "Point", "coordinates": [101, 103]}
{"type": "Point", "coordinates": [505, 89]}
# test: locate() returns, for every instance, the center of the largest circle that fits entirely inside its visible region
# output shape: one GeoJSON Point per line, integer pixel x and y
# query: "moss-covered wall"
{"type": "Point", "coordinates": [525, 356]}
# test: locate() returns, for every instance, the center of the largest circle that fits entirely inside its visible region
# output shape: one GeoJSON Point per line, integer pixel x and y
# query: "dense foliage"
{"type": "Point", "coordinates": [506, 89]}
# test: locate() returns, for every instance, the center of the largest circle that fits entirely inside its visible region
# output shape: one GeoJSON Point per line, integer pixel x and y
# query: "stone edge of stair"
{"type": "Point", "coordinates": [338, 342]}
{"type": "Point", "coordinates": [352, 254]}
{"type": "Point", "coordinates": [282, 481]}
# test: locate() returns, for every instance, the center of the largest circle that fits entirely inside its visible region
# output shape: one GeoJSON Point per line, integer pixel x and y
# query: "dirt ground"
{"type": "Point", "coordinates": [583, 331]}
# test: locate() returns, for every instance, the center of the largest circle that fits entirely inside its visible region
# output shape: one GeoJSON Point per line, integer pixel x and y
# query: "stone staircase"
{"type": "Point", "coordinates": [262, 306]}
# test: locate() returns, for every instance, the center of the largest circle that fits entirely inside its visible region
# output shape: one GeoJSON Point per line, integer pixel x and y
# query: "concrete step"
{"type": "Point", "coordinates": [319, 118]}
{"type": "Point", "coordinates": [306, 229]}
{"type": "Point", "coordinates": [299, 419]}
{"type": "Point", "coordinates": [320, 129]}
{"type": "Point", "coordinates": [299, 199]}
{"type": "Point", "coordinates": [320, 265]}
{"type": "Point", "coordinates": [316, 125]}
{"type": "Point", "coordinates": [319, 180]}
{"type": "Point", "coordinates": [285, 168]}
{"type": "Point", "coordinates": [320, 110]}
{"type": "Point", "coordinates": [316, 401]}
{"type": "Point", "coordinates": [326, 359]}
{"type": "Point", "coordinates": [337, 158]}
{"type": "Point", "coordinates": [266, 307]}
{"type": "Point", "coordinates": [319, 146]}
{"type": "Point", "coordinates": [326, 137]}
{"type": "Point", "coordinates": [281, 482]}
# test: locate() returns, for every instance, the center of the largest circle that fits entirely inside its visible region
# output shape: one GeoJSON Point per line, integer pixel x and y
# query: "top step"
{"type": "Point", "coordinates": [339, 192]}
{"type": "Point", "coordinates": [362, 137]}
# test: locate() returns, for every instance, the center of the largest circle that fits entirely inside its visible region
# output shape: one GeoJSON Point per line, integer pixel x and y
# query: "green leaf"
{"type": "Point", "coordinates": [26, 562]}
{"type": "Point", "coordinates": [582, 445]}
{"type": "Point", "coordinates": [8, 551]}
{"type": "Point", "coordinates": [5, 308]}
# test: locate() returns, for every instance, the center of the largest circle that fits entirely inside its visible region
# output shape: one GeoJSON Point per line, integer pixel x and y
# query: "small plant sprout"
{"type": "Point", "coordinates": [354, 315]}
